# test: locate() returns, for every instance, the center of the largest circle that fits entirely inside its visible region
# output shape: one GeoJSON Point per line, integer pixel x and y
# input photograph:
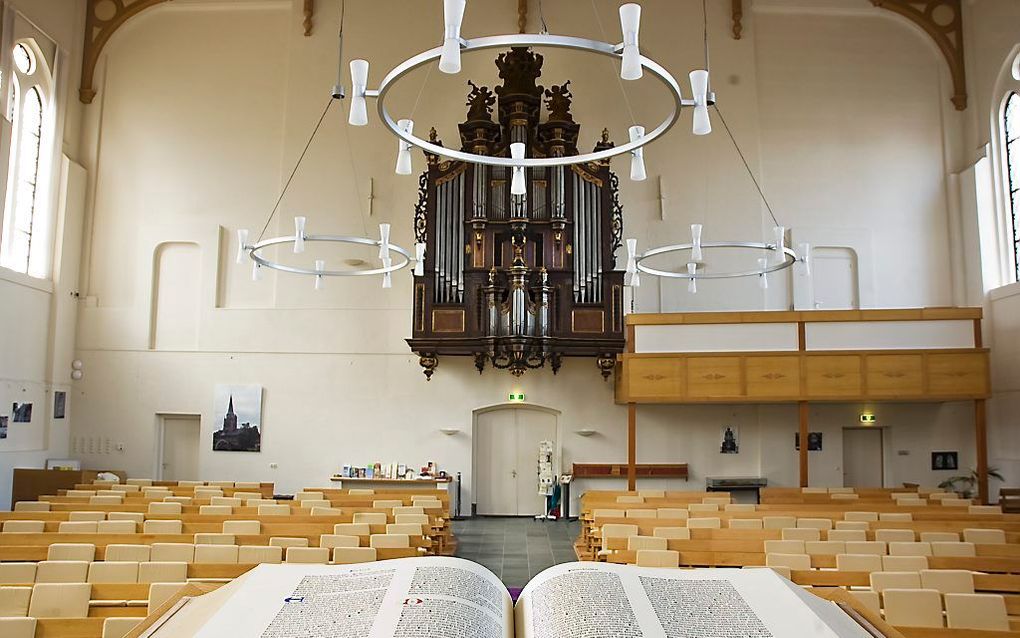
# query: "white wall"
{"type": "Point", "coordinates": [842, 110]}
{"type": "Point", "coordinates": [37, 325]}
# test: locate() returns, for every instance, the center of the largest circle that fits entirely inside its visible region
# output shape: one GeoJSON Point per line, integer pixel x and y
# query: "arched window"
{"type": "Point", "coordinates": [1011, 130]}
{"type": "Point", "coordinates": [30, 92]}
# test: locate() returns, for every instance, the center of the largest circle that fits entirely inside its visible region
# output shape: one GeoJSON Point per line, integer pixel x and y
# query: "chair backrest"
{"type": "Point", "coordinates": [411, 529]}
{"type": "Point", "coordinates": [784, 547]}
{"type": "Point", "coordinates": [125, 488]}
{"type": "Point", "coordinates": [880, 581]}
{"type": "Point", "coordinates": [862, 526]}
{"type": "Point", "coordinates": [904, 563]}
{"type": "Point", "coordinates": [214, 539]}
{"type": "Point", "coordinates": [190, 483]}
{"type": "Point", "coordinates": [956, 502]}
{"type": "Point", "coordinates": [388, 503]}
{"type": "Point", "coordinates": [173, 552]}
{"type": "Point", "coordinates": [861, 516]}
{"type": "Point", "coordinates": [232, 501]}
{"type": "Point", "coordinates": [180, 500]}
{"type": "Point", "coordinates": [164, 508]}
{"type": "Point", "coordinates": [14, 601]}
{"type": "Point", "coordinates": [870, 600]}
{"type": "Point", "coordinates": [898, 517]}
{"type": "Point", "coordinates": [163, 527]}
{"type": "Point", "coordinates": [32, 506]}
{"type": "Point", "coordinates": [242, 527]}
{"type": "Point", "coordinates": [76, 517]}
{"type": "Point", "coordinates": [80, 493]}
{"type": "Point", "coordinates": [646, 542]}
{"type": "Point", "coordinates": [984, 536]}
{"type": "Point", "coordinates": [847, 535]}
{"type": "Point", "coordinates": [704, 523]}
{"type": "Point", "coordinates": [911, 502]}
{"type": "Point", "coordinates": [867, 547]}
{"type": "Point", "coordinates": [702, 508]}
{"type": "Point", "coordinates": [116, 527]}
{"type": "Point", "coordinates": [24, 527]}
{"type": "Point", "coordinates": [793, 561]}
{"type": "Point", "coordinates": [309, 496]}
{"type": "Point", "coordinates": [327, 511]}
{"type": "Point", "coordinates": [745, 523]}
{"type": "Point", "coordinates": [113, 572]}
{"type": "Point", "coordinates": [60, 600]}
{"type": "Point", "coordinates": [389, 540]}
{"type": "Point", "coordinates": [136, 553]}
{"type": "Point", "coordinates": [215, 553]}
{"type": "Point", "coordinates": [216, 510]}
{"type": "Point", "coordinates": [318, 555]}
{"type": "Point", "coordinates": [740, 507]}
{"type": "Point", "coordinates": [953, 549]}
{"type": "Point", "coordinates": [162, 572]}
{"type": "Point", "coordinates": [814, 523]}
{"type": "Point", "coordinates": [858, 563]}
{"type": "Point", "coordinates": [801, 534]}
{"type": "Point", "coordinates": [139, 481]}
{"type": "Point", "coordinates": [338, 540]}
{"type": "Point", "coordinates": [939, 537]}
{"type": "Point", "coordinates": [78, 527]}
{"type": "Point", "coordinates": [844, 497]}
{"type": "Point", "coordinates": [71, 551]}
{"type": "Point", "coordinates": [118, 627]}
{"type": "Point", "coordinates": [948, 581]}
{"type": "Point", "coordinates": [976, 611]}
{"type": "Point", "coordinates": [208, 492]}
{"type": "Point", "coordinates": [652, 493]}
{"type": "Point", "coordinates": [247, 485]}
{"type": "Point", "coordinates": [825, 548]}
{"type": "Point", "coordinates": [352, 529]}
{"type": "Point", "coordinates": [61, 571]}
{"type": "Point", "coordinates": [421, 519]}
{"type": "Point", "coordinates": [137, 517]}
{"type": "Point", "coordinates": [630, 499]}
{"type": "Point", "coordinates": [159, 593]}
{"type": "Point", "coordinates": [681, 533]}
{"type": "Point", "coordinates": [895, 535]}
{"type": "Point", "coordinates": [778, 522]}
{"type": "Point", "coordinates": [658, 558]}
{"type": "Point", "coordinates": [288, 541]}
{"type": "Point", "coordinates": [372, 518]}
{"type": "Point", "coordinates": [360, 492]}
{"type": "Point", "coordinates": [984, 509]}
{"type": "Point", "coordinates": [909, 549]}
{"type": "Point", "coordinates": [408, 509]}
{"type": "Point", "coordinates": [106, 499]}
{"type": "Point", "coordinates": [17, 573]}
{"type": "Point", "coordinates": [257, 554]}
{"type": "Point", "coordinates": [912, 607]}
{"type": "Point", "coordinates": [349, 555]}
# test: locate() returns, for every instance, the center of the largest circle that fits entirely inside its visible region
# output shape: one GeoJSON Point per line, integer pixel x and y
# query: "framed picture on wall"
{"type": "Point", "coordinates": [238, 408]}
{"type": "Point", "coordinates": [730, 440]}
{"type": "Point", "coordinates": [59, 404]}
{"type": "Point", "coordinates": [814, 441]}
{"type": "Point", "coordinates": [945, 460]}
{"type": "Point", "coordinates": [22, 412]}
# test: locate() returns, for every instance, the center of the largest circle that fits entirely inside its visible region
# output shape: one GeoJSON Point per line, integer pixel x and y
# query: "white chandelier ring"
{"type": "Point", "coordinates": [789, 259]}
{"type": "Point", "coordinates": [403, 261]}
{"type": "Point", "coordinates": [525, 40]}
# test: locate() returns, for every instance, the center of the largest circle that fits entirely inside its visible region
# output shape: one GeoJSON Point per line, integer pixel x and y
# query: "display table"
{"type": "Point", "coordinates": [383, 484]}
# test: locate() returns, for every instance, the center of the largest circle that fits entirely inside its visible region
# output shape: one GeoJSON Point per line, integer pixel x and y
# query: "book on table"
{"type": "Point", "coordinates": [442, 597]}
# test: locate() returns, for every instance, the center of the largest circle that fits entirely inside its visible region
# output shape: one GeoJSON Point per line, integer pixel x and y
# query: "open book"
{"type": "Point", "coordinates": [440, 597]}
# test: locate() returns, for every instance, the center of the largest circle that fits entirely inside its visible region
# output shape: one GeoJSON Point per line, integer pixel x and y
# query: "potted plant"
{"type": "Point", "coordinates": [965, 485]}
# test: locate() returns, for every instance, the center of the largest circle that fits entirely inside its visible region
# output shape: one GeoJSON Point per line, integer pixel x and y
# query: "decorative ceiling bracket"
{"type": "Point", "coordinates": [943, 21]}
{"type": "Point", "coordinates": [309, 14]}
{"type": "Point", "coordinates": [738, 17]}
{"type": "Point", "coordinates": [102, 19]}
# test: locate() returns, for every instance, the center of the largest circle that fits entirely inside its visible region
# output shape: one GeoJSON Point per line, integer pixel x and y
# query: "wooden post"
{"type": "Point", "coordinates": [803, 409]}
{"type": "Point", "coordinates": [981, 445]}
{"type": "Point", "coordinates": [631, 446]}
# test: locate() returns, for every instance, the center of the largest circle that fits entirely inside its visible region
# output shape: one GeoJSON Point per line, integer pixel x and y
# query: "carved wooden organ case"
{"type": "Point", "coordinates": [518, 280]}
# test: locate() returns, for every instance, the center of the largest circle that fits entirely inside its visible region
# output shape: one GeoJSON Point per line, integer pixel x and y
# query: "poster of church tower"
{"type": "Point", "coordinates": [239, 409]}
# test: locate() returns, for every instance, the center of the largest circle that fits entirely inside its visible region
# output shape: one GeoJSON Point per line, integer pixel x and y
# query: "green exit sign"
{"type": "Point", "coordinates": [868, 419]}
{"type": "Point", "coordinates": [516, 397]}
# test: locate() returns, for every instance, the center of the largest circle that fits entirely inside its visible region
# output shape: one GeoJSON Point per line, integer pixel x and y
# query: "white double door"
{"type": "Point", "coordinates": [506, 460]}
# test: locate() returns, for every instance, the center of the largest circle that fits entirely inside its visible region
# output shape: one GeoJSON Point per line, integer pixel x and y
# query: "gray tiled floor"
{"type": "Point", "coordinates": [516, 549]}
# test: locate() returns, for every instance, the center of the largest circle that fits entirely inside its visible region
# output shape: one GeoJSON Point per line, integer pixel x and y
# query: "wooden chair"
{"type": "Point", "coordinates": [976, 611]}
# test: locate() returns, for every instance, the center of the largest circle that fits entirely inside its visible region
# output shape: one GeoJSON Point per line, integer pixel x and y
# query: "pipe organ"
{"type": "Point", "coordinates": [518, 281]}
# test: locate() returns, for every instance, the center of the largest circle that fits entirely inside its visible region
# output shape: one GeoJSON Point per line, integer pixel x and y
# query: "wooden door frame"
{"type": "Point", "coordinates": [557, 455]}
{"type": "Point", "coordinates": [160, 432]}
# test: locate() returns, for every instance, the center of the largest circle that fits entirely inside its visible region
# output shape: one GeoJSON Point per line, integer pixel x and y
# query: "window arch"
{"type": "Point", "coordinates": [24, 243]}
{"type": "Point", "coordinates": [1011, 144]}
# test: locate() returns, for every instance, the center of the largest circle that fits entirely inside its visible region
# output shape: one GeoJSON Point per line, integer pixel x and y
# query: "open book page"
{"type": "Point", "coordinates": [405, 598]}
{"type": "Point", "coordinates": [599, 600]}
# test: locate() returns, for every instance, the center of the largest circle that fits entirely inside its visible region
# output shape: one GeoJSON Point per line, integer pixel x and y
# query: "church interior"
{"type": "Point", "coordinates": [727, 284]}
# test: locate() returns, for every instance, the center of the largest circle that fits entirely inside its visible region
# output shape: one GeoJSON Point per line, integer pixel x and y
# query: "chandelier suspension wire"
{"type": "Point", "coordinates": [541, 18]}
{"type": "Point", "coordinates": [747, 166]}
{"type": "Point", "coordinates": [297, 165]}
